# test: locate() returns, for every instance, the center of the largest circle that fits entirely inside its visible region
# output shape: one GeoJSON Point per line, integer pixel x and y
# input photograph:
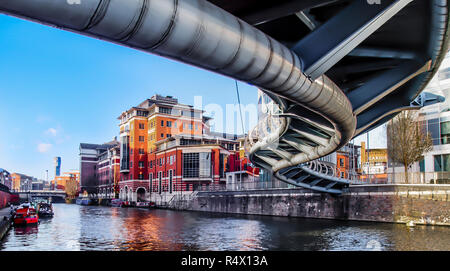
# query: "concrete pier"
{"type": "Point", "coordinates": [421, 204]}
{"type": "Point", "coordinates": [5, 222]}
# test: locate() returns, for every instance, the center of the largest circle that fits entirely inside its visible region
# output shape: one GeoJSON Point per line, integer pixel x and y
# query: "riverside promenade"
{"type": "Point", "coordinates": [5, 221]}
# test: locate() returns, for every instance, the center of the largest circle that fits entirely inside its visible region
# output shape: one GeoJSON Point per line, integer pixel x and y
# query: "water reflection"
{"type": "Point", "coordinates": [102, 228]}
{"type": "Point", "coordinates": [26, 230]}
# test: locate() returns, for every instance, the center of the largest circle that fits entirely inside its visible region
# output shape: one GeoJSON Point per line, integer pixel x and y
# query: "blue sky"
{"type": "Point", "coordinates": [58, 89]}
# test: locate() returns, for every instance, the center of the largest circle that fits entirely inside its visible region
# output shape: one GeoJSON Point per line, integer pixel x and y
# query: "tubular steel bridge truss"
{"type": "Point", "coordinates": [336, 68]}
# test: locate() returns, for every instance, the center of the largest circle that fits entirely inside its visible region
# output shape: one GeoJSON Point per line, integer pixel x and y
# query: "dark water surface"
{"type": "Point", "coordinates": [77, 227]}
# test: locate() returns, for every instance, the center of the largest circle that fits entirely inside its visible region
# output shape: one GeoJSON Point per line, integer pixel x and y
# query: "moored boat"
{"type": "Point", "coordinates": [128, 204]}
{"type": "Point", "coordinates": [45, 209]}
{"type": "Point", "coordinates": [84, 201]}
{"type": "Point", "coordinates": [25, 214]}
{"type": "Point", "coordinates": [145, 204]}
{"type": "Point", "coordinates": [116, 203]}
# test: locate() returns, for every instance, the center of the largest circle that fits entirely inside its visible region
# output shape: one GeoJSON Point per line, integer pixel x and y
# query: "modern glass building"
{"type": "Point", "coordinates": [435, 120]}
{"type": "Point", "coordinates": [57, 161]}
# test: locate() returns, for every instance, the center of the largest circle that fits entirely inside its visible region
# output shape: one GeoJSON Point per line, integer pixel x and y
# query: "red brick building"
{"type": "Point", "coordinates": [166, 147]}
{"type": "Point", "coordinates": [99, 169]}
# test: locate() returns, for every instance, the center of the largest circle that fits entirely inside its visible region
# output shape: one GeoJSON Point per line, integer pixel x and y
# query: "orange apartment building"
{"type": "Point", "coordinates": [166, 147]}
{"type": "Point", "coordinates": [59, 183]}
{"type": "Point", "coordinates": [21, 182]}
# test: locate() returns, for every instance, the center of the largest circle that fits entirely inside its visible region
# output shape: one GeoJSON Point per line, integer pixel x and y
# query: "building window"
{"type": "Point", "coordinates": [165, 110]}
{"type": "Point", "coordinates": [141, 176]}
{"type": "Point", "coordinates": [190, 126]}
{"type": "Point", "coordinates": [175, 124]}
{"type": "Point", "coordinates": [422, 165]}
{"type": "Point", "coordinates": [445, 132]}
{"type": "Point", "coordinates": [162, 123]}
{"type": "Point", "coordinates": [205, 164]}
{"type": "Point", "coordinates": [131, 151]}
{"type": "Point", "coordinates": [196, 126]}
{"type": "Point", "coordinates": [160, 182]}
{"type": "Point", "coordinates": [131, 164]}
{"type": "Point", "coordinates": [142, 113]}
{"type": "Point", "coordinates": [151, 164]}
{"type": "Point", "coordinates": [191, 165]}
{"type": "Point", "coordinates": [141, 164]}
{"type": "Point", "coordinates": [168, 135]}
{"type": "Point", "coordinates": [141, 126]}
{"type": "Point", "coordinates": [150, 177]}
{"type": "Point", "coordinates": [442, 162]}
{"type": "Point", "coordinates": [162, 135]}
{"type": "Point", "coordinates": [169, 124]}
{"type": "Point", "coordinates": [221, 165]}
{"type": "Point", "coordinates": [141, 138]}
{"type": "Point", "coordinates": [433, 129]}
{"type": "Point", "coordinates": [341, 162]}
{"type": "Point", "coordinates": [141, 151]}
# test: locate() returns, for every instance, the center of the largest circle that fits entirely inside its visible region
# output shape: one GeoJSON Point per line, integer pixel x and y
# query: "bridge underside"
{"type": "Point", "coordinates": [336, 68]}
{"type": "Point", "coordinates": [381, 60]}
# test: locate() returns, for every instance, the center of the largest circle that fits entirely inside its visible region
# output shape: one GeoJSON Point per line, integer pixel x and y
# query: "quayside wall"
{"type": "Point", "coordinates": [421, 204]}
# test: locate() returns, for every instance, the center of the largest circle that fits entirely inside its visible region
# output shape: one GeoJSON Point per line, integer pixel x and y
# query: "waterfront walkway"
{"type": "Point", "coordinates": [5, 221]}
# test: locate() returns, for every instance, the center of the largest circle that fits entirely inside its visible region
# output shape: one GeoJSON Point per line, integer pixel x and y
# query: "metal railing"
{"type": "Point", "coordinates": [246, 186]}
{"type": "Point", "coordinates": [359, 179]}
{"type": "Point", "coordinates": [400, 178]}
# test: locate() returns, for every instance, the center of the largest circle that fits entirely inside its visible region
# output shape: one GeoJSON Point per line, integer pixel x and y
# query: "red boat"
{"type": "Point", "coordinates": [25, 215]}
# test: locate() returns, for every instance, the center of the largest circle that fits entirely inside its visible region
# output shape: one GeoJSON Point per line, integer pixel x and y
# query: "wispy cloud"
{"type": "Point", "coordinates": [51, 131]}
{"type": "Point", "coordinates": [44, 147]}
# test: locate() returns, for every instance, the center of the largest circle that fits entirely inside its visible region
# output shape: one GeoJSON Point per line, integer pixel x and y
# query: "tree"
{"type": "Point", "coordinates": [71, 188]}
{"type": "Point", "coordinates": [407, 142]}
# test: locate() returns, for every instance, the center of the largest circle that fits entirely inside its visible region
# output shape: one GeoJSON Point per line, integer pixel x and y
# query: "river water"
{"type": "Point", "coordinates": [77, 227]}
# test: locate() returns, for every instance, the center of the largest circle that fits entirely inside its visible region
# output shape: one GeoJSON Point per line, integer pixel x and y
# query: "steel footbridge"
{"type": "Point", "coordinates": [335, 68]}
